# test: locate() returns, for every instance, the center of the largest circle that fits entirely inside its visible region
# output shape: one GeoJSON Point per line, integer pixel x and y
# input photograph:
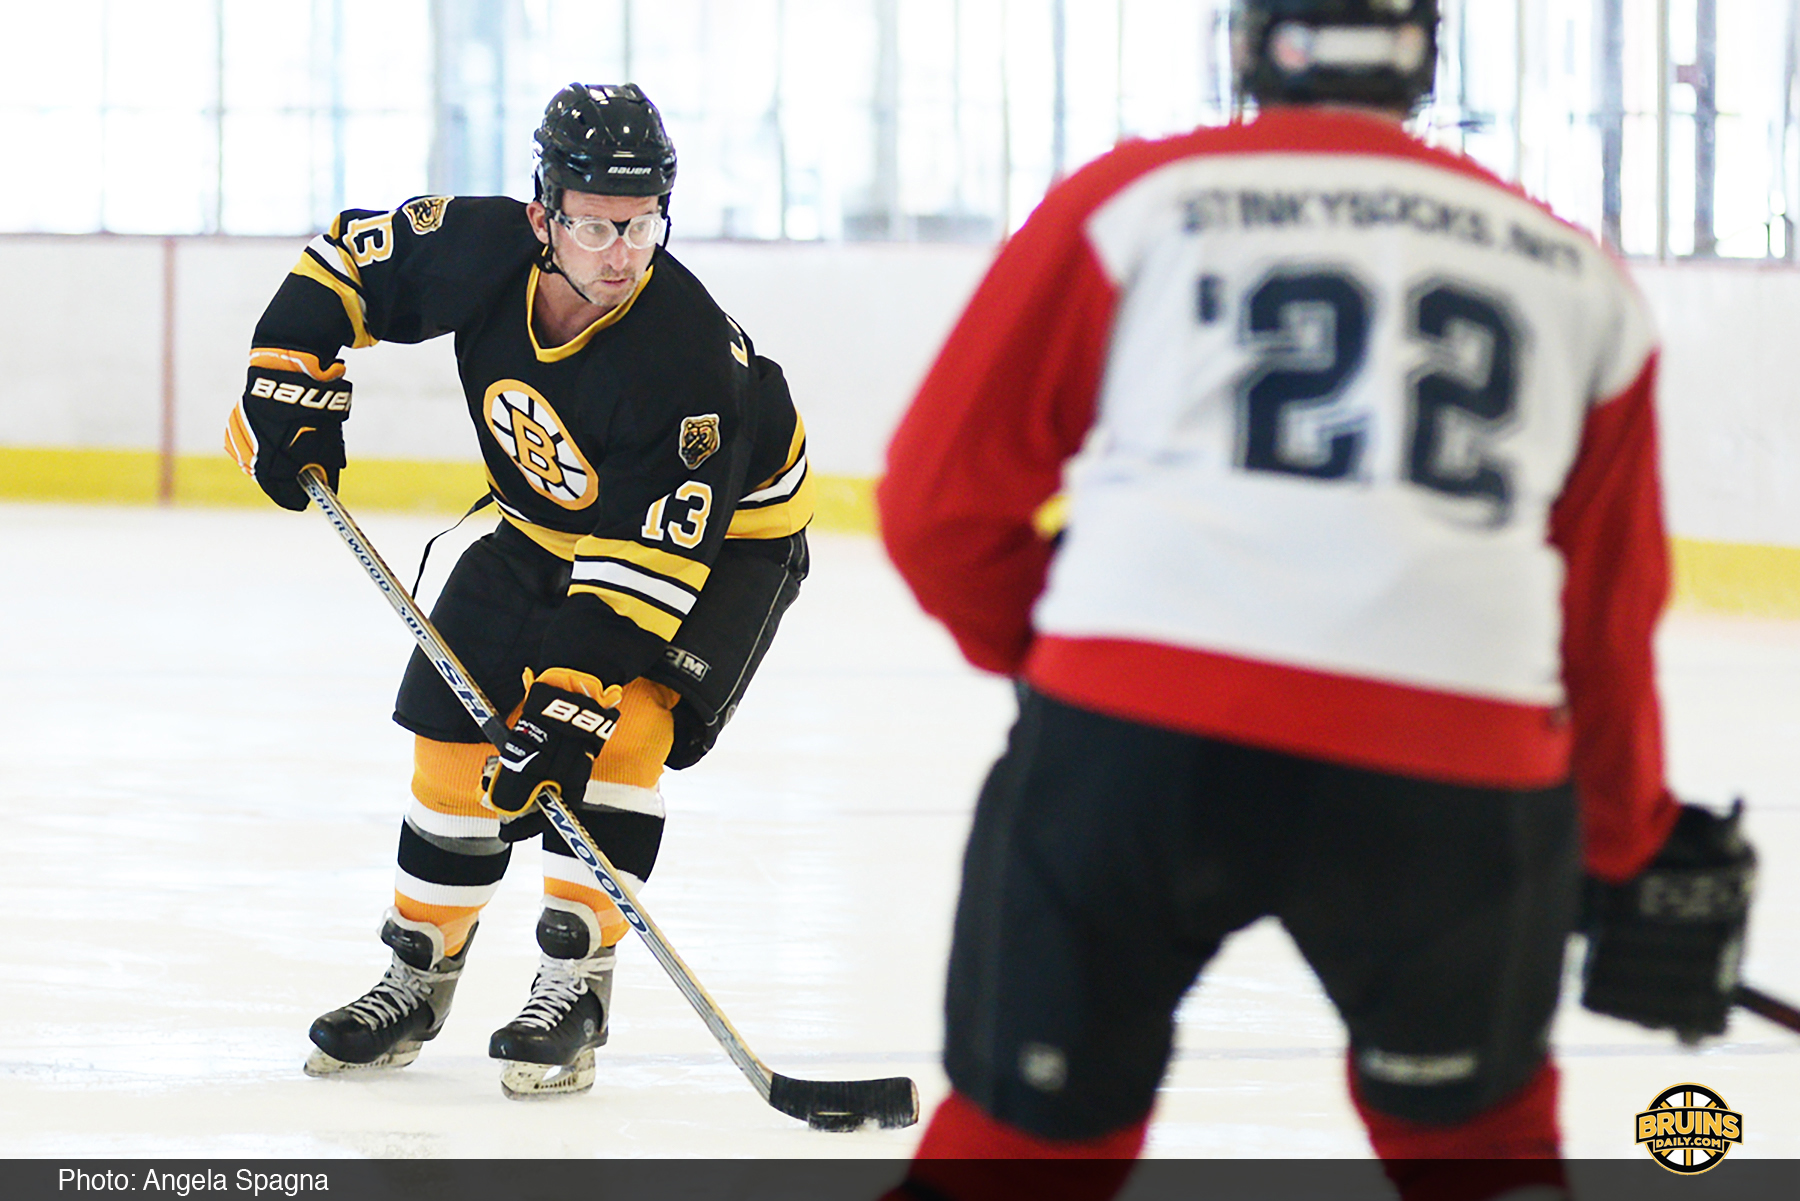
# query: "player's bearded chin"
{"type": "Point", "coordinates": [597, 284]}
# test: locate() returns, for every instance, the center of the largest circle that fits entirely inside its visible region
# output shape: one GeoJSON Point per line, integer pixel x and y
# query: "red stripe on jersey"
{"type": "Point", "coordinates": [1343, 719]}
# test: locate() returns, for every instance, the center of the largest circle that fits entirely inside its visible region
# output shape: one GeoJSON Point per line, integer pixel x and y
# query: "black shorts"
{"type": "Point", "coordinates": [505, 588]}
{"type": "Point", "coordinates": [1109, 860]}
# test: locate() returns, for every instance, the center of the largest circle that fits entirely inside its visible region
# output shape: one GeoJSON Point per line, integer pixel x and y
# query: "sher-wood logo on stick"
{"type": "Point", "coordinates": [1689, 1128]}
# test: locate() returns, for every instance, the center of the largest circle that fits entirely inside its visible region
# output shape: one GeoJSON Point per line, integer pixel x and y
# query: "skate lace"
{"type": "Point", "coordinates": [553, 994]}
{"type": "Point", "coordinates": [396, 995]}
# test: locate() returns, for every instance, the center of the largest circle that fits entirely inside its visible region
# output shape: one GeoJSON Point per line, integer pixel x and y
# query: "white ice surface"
{"type": "Point", "coordinates": [201, 788]}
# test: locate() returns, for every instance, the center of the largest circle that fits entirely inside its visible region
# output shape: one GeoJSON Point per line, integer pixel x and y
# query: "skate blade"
{"type": "Point", "coordinates": [321, 1064]}
{"type": "Point", "coordinates": [529, 1081]}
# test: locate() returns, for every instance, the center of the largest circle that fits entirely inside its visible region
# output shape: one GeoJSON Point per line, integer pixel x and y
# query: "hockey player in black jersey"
{"type": "Point", "coordinates": [650, 472]}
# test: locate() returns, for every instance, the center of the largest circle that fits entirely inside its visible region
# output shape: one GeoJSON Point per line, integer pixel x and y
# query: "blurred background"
{"type": "Point", "coordinates": [1668, 126]}
{"type": "Point", "coordinates": [847, 168]}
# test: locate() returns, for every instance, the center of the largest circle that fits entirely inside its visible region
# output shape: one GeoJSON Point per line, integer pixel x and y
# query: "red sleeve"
{"type": "Point", "coordinates": [1608, 524]}
{"type": "Point", "coordinates": [1010, 398]}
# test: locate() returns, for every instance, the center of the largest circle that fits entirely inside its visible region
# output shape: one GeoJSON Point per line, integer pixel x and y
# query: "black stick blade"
{"type": "Point", "coordinates": [843, 1105]}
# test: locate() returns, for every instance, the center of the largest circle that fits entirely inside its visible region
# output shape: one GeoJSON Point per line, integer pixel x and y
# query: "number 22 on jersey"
{"type": "Point", "coordinates": [1309, 331]}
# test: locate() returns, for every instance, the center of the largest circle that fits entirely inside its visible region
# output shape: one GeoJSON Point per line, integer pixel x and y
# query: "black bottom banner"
{"type": "Point", "coordinates": [867, 1180]}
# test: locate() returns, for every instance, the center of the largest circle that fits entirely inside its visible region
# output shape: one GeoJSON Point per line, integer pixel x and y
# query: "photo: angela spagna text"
{"type": "Point", "coordinates": [186, 1182]}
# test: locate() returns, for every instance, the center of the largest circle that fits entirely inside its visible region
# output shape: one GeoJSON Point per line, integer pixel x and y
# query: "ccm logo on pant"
{"type": "Point", "coordinates": [581, 719]}
{"type": "Point", "coordinates": [306, 398]}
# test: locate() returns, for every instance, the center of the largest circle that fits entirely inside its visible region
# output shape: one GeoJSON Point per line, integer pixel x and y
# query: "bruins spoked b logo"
{"type": "Point", "coordinates": [1689, 1128]}
{"type": "Point", "coordinates": [528, 429]}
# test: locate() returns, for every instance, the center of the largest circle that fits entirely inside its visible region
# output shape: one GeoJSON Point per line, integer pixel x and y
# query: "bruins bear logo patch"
{"type": "Point", "coordinates": [426, 213]}
{"type": "Point", "coordinates": [699, 439]}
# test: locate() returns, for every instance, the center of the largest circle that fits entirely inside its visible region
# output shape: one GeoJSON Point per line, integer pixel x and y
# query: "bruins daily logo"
{"type": "Point", "coordinates": [426, 213]}
{"type": "Point", "coordinates": [699, 439]}
{"type": "Point", "coordinates": [529, 430]}
{"type": "Point", "coordinates": [1689, 1129]}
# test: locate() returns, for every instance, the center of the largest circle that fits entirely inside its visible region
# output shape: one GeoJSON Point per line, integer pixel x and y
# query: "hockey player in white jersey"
{"type": "Point", "coordinates": [1305, 475]}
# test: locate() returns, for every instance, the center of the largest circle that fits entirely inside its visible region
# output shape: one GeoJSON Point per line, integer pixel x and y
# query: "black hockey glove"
{"type": "Point", "coordinates": [567, 719]}
{"type": "Point", "coordinates": [1663, 948]}
{"type": "Point", "coordinates": [288, 421]}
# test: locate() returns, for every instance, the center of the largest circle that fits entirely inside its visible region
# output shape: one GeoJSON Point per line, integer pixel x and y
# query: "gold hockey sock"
{"type": "Point", "coordinates": [634, 754]}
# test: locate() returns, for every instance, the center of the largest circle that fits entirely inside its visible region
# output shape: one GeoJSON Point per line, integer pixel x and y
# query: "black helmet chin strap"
{"type": "Point", "coordinates": [548, 265]}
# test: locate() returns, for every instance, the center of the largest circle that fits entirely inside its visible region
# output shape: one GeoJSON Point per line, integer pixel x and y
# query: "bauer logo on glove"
{"type": "Point", "coordinates": [567, 718]}
{"type": "Point", "coordinates": [594, 721]}
{"type": "Point", "coordinates": [292, 392]}
{"type": "Point", "coordinates": [291, 417]}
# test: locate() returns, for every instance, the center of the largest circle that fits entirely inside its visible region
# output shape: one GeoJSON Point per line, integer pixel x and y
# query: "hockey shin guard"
{"type": "Point", "coordinates": [627, 823]}
{"type": "Point", "coordinates": [622, 809]}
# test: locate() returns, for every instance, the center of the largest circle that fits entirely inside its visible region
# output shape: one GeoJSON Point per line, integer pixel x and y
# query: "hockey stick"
{"type": "Point", "coordinates": [1763, 1005]}
{"type": "Point", "coordinates": [821, 1104]}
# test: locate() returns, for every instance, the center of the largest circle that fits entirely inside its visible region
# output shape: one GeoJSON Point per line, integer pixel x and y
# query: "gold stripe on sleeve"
{"type": "Point", "coordinates": [335, 239]}
{"type": "Point", "coordinates": [646, 615]}
{"type": "Point", "coordinates": [796, 448]}
{"type": "Point", "coordinates": [687, 572]}
{"type": "Point", "coordinates": [779, 520]}
{"type": "Point", "coordinates": [310, 268]}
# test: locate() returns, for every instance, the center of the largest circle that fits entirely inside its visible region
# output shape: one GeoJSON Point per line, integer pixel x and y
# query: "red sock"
{"type": "Point", "coordinates": [968, 1156]}
{"type": "Point", "coordinates": [1515, 1143]}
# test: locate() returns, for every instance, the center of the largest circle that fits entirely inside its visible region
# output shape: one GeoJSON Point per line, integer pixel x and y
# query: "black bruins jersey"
{"type": "Point", "coordinates": [632, 451]}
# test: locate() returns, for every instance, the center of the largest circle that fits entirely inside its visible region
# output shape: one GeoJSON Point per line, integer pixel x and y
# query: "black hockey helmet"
{"type": "Point", "coordinates": [1381, 53]}
{"type": "Point", "coordinates": [603, 138]}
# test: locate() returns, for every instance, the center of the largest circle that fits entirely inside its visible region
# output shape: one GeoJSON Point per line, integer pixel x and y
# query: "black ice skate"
{"type": "Point", "coordinates": [385, 1027]}
{"type": "Point", "coordinates": [549, 1047]}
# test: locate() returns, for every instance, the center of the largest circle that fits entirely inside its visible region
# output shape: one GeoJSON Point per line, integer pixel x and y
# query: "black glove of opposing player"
{"type": "Point", "coordinates": [1663, 948]}
{"type": "Point", "coordinates": [286, 422]}
{"type": "Point", "coordinates": [567, 719]}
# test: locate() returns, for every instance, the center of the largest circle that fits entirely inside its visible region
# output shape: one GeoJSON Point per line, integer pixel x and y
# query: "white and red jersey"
{"type": "Point", "coordinates": [1356, 454]}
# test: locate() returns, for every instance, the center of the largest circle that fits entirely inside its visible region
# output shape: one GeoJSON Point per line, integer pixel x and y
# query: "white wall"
{"type": "Point", "coordinates": [855, 326]}
{"type": "Point", "coordinates": [1730, 404]}
{"type": "Point", "coordinates": [80, 341]}
{"type": "Point", "coordinates": [81, 336]}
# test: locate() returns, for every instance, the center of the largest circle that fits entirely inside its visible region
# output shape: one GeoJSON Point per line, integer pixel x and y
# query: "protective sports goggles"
{"type": "Point", "coordinates": [598, 234]}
